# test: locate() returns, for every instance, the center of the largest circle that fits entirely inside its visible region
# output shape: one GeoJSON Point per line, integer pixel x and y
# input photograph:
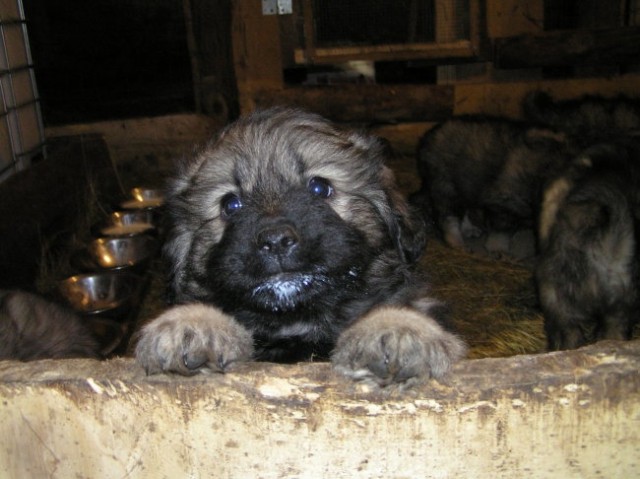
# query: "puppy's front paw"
{"type": "Point", "coordinates": [394, 345]}
{"type": "Point", "coordinates": [193, 337]}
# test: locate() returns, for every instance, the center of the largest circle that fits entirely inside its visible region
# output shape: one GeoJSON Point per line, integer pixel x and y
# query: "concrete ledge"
{"type": "Point", "coordinates": [570, 414]}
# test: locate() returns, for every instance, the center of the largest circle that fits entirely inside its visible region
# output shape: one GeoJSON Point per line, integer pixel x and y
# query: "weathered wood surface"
{"type": "Point", "coordinates": [506, 98]}
{"type": "Point", "coordinates": [570, 415]}
{"type": "Point", "coordinates": [569, 48]}
{"type": "Point", "coordinates": [257, 53]}
{"type": "Point", "coordinates": [366, 103]}
{"type": "Point", "coordinates": [161, 138]}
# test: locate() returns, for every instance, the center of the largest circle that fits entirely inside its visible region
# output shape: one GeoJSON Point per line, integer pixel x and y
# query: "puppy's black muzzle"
{"type": "Point", "coordinates": [277, 240]}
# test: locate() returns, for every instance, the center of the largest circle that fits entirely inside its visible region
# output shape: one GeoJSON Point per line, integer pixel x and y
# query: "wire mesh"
{"type": "Point", "coordinates": [21, 128]}
{"type": "Point", "coordinates": [365, 22]}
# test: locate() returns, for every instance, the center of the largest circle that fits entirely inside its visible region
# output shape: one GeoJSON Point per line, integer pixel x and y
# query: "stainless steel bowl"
{"type": "Point", "coordinates": [144, 198]}
{"type": "Point", "coordinates": [119, 252]}
{"type": "Point", "coordinates": [109, 293]}
{"type": "Point", "coordinates": [127, 223]}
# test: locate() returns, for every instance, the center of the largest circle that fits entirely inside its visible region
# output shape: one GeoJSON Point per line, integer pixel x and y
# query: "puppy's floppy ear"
{"type": "Point", "coordinates": [179, 221]}
{"type": "Point", "coordinates": [406, 226]}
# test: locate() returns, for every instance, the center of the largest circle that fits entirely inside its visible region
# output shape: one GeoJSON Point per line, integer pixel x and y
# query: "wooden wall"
{"type": "Point", "coordinates": [513, 57]}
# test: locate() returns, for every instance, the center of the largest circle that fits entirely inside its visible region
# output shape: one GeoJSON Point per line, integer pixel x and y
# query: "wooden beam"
{"type": "Point", "coordinates": [452, 50]}
{"type": "Point", "coordinates": [257, 54]}
{"type": "Point", "coordinates": [507, 18]}
{"type": "Point", "coordinates": [366, 103]}
{"type": "Point", "coordinates": [562, 415]}
{"type": "Point", "coordinates": [506, 98]}
{"type": "Point", "coordinates": [569, 48]}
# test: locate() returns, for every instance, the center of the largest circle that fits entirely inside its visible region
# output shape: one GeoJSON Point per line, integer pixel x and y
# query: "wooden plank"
{"type": "Point", "coordinates": [562, 415]}
{"type": "Point", "coordinates": [445, 13]}
{"type": "Point", "coordinates": [257, 52]}
{"type": "Point", "coordinates": [405, 51]}
{"type": "Point", "coordinates": [567, 48]}
{"type": "Point", "coordinates": [506, 18]}
{"type": "Point", "coordinates": [366, 103]}
{"type": "Point", "coordinates": [506, 98]}
{"type": "Point", "coordinates": [429, 103]}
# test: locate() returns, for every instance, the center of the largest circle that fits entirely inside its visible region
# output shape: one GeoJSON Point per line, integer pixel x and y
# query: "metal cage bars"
{"type": "Point", "coordinates": [21, 126]}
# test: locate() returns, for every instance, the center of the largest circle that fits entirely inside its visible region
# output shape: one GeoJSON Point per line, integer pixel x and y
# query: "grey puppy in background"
{"type": "Point", "coordinates": [588, 119]}
{"type": "Point", "coordinates": [483, 175]}
{"type": "Point", "coordinates": [288, 241]}
{"type": "Point", "coordinates": [588, 269]}
{"type": "Point", "coordinates": [32, 327]}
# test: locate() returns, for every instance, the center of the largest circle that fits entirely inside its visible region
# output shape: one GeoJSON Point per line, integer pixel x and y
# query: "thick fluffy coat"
{"type": "Point", "coordinates": [287, 241]}
{"type": "Point", "coordinates": [588, 119]}
{"type": "Point", "coordinates": [588, 268]}
{"type": "Point", "coordinates": [32, 327]}
{"type": "Point", "coordinates": [484, 175]}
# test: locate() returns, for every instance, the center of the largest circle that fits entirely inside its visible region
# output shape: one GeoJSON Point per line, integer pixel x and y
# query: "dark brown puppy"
{"type": "Point", "coordinates": [588, 271]}
{"type": "Point", "coordinates": [287, 241]}
{"type": "Point", "coordinates": [588, 119]}
{"type": "Point", "coordinates": [483, 175]}
{"type": "Point", "coordinates": [33, 328]}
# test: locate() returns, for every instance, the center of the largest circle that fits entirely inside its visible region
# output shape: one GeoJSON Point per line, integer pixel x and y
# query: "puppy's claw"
{"type": "Point", "coordinates": [193, 362]}
{"type": "Point", "coordinates": [396, 346]}
{"type": "Point", "coordinates": [191, 338]}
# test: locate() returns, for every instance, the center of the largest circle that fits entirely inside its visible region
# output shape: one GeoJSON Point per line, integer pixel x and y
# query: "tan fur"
{"type": "Point", "coordinates": [552, 200]}
{"type": "Point", "coordinates": [292, 232]}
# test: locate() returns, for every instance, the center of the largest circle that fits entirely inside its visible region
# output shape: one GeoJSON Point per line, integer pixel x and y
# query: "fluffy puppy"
{"type": "Point", "coordinates": [587, 274]}
{"type": "Point", "coordinates": [33, 328]}
{"type": "Point", "coordinates": [482, 175]}
{"type": "Point", "coordinates": [588, 119]}
{"type": "Point", "coordinates": [288, 240]}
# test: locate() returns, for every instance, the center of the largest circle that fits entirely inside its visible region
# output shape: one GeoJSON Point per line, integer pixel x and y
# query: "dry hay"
{"type": "Point", "coordinates": [493, 302]}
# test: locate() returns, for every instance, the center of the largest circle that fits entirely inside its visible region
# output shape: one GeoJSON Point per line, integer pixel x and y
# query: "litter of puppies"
{"type": "Point", "coordinates": [569, 172]}
{"type": "Point", "coordinates": [556, 195]}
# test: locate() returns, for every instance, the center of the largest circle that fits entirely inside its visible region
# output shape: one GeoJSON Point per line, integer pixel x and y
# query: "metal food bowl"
{"type": "Point", "coordinates": [144, 198]}
{"type": "Point", "coordinates": [110, 293]}
{"type": "Point", "coordinates": [127, 223]}
{"type": "Point", "coordinates": [121, 252]}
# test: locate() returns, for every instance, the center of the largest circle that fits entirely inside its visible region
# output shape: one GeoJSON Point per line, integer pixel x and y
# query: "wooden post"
{"type": "Point", "coordinates": [194, 55]}
{"type": "Point", "coordinates": [575, 47]}
{"type": "Point", "coordinates": [256, 51]}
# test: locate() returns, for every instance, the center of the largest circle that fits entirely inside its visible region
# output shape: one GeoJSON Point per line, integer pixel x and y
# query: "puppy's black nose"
{"type": "Point", "coordinates": [277, 239]}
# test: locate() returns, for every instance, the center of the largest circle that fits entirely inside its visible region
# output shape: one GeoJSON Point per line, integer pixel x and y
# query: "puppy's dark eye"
{"type": "Point", "coordinates": [230, 204]}
{"type": "Point", "coordinates": [320, 187]}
